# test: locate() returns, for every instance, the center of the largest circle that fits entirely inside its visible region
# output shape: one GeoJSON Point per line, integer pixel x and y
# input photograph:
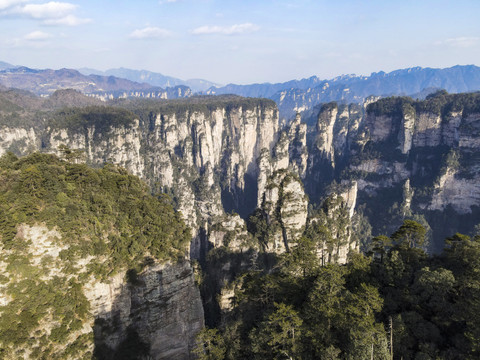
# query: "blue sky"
{"type": "Point", "coordinates": [242, 41]}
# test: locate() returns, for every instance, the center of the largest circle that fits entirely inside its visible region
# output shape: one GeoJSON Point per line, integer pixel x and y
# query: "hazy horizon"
{"type": "Point", "coordinates": [86, 69]}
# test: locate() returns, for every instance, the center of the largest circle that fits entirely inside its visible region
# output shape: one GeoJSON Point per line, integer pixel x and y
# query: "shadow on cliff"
{"type": "Point", "coordinates": [222, 267]}
{"type": "Point", "coordinates": [155, 314]}
{"type": "Point", "coordinates": [114, 340]}
{"type": "Point", "coordinates": [242, 201]}
{"type": "Point", "coordinates": [132, 347]}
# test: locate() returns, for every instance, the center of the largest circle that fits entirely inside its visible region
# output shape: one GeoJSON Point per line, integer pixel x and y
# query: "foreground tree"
{"type": "Point", "coordinates": [279, 336]}
{"type": "Point", "coordinates": [410, 235]}
{"type": "Point", "coordinates": [210, 345]}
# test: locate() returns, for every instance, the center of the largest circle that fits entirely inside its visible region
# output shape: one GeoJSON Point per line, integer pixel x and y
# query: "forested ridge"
{"type": "Point", "coordinates": [64, 225]}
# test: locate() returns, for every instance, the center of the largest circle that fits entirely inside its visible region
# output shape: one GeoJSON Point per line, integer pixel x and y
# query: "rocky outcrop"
{"type": "Point", "coordinates": [324, 141]}
{"type": "Point", "coordinates": [207, 155]}
{"type": "Point", "coordinates": [118, 145]}
{"type": "Point", "coordinates": [424, 128]}
{"type": "Point", "coordinates": [215, 155]}
{"type": "Point", "coordinates": [297, 150]}
{"type": "Point", "coordinates": [330, 145]}
{"type": "Point", "coordinates": [460, 193]}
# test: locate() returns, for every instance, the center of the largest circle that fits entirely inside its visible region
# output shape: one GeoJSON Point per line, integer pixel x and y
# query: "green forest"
{"type": "Point", "coordinates": [395, 301]}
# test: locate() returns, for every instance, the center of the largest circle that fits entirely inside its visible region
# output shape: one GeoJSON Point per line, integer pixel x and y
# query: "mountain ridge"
{"type": "Point", "coordinates": [300, 95]}
{"type": "Point", "coordinates": [153, 78]}
{"type": "Point", "coordinates": [291, 96]}
{"type": "Point", "coordinates": [46, 81]}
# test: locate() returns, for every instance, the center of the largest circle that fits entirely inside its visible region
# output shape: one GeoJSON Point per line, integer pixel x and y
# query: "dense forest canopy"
{"type": "Point", "coordinates": [394, 301]}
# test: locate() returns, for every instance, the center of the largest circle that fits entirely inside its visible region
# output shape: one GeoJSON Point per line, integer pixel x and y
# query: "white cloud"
{"type": "Point", "coordinates": [50, 10]}
{"type": "Point", "coordinates": [50, 13]}
{"type": "Point", "coordinates": [150, 33]}
{"type": "Point", "coordinates": [463, 42]}
{"type": "Point", "coordinates": [69, 20]}
{"type": "Point", "coordinates": [226, 30]}
{"type": "Point", "coordinates": [5, 4]}
{"type": "Point", "coordinates": [167, 1]}
{"type": "Point", "coordinates": [37, 36]}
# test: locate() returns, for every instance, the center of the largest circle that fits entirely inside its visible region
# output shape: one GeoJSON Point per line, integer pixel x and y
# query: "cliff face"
{"type": "Point", "coordinates": [285, 206]}
{"type": "Point", "coordinates": [430, 144]}
{"type": "Point", "coordinates": [335, 218]}
{"type": "Point", "coordinates": [161, 310]}
{"type": "Point", "coordinates": [446, 133]}
{"type": "Point", "coordinates": [206, 154]}
{"type": "Point", "coordinates": [215, 155]}
{"type": "Point", "coordinates": [160, 313]}
{"type": "Point", "coordinates": [20, 140]}
{"type": "Point", "coordinates": [185, 150]}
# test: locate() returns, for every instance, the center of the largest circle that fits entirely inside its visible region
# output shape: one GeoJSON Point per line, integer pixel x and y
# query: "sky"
{"type": "Point", "coordinates": [243, 41]}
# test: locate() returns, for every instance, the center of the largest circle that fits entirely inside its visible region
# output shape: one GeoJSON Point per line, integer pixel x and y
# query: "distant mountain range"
{"type": "Point", "coordinates": [46, 82]}
{"type": "Point", "coordinates": [291, 96]}
{"type": "Point", "coordinates": [4, 65]}
{"type": "Point", "coordinates": [155, 79]}
{"type": "Point", "coordinates": [300, 95]}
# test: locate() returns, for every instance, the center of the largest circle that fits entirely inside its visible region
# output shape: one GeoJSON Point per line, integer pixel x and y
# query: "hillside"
{"type": "Point", "coordinates": [72, 239]}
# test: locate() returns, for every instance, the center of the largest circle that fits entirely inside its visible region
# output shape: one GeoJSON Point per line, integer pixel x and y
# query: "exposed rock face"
{"type": "Point", "coordinates": [408, 193]}
{"type": "Point", "coordinates": [415, 129]}
{"type": "Point", "coordinates": [117, 145]}
{"type": "Point", "coordinates": [324, 141]}
{"type": "Point", "coordinates": [18, 140]}
{"type": "Point", "coordinates": [405, 136]}
{"type": "Point", "coordinates": [330, 145]}
{"type": "Point", "coordinates": [206, 155]}
{"type": "Point", "coordinates": [452, 189]}
{"type": "Point", "coordinates": [407, 158]}
{"type": "Point", "coordinates": [390, 147]}
{"type": "Point", "coordinates": [163, 308]}
{"type": "Point", "coordinates": [298, 151]}
{"type": "Point", "coordinates": [285, 205]}
{"type": "Point", "coordinates": [428, 130]}
{"type": "Point", "coordinates": [349, 197]}
{"type": "Point", "coordinates": [229, 231]}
